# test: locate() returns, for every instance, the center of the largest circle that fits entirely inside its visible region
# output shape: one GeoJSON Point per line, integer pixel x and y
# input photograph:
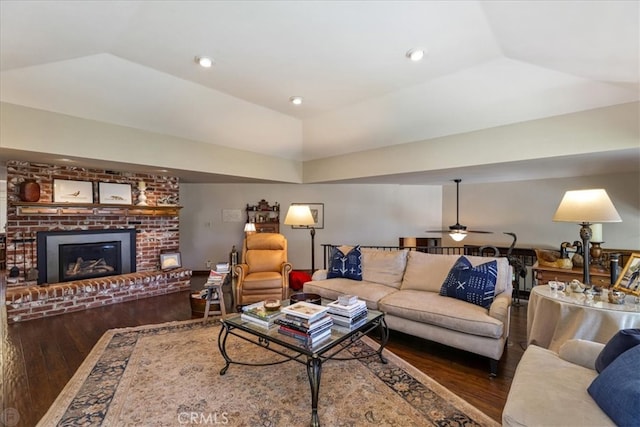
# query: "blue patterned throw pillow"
{"type": "Point", "coordinates": [617, 389]}
{"type": "Point", "coordinates": [347, 266]}
{"type": "Point", "coordinates": [476, 285]}
{"type": "Point", "coordinates": [622, 341]}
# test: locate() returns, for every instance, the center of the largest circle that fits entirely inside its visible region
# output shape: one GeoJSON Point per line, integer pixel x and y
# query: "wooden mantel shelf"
{"type": "Point", "coordinates": [79, 209]}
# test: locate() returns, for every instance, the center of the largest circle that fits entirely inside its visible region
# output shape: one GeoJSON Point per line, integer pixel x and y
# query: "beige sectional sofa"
{"type": "Point", "coordinates": [405, 285]}
{"type": "Point", "coordinates": [550, 389]}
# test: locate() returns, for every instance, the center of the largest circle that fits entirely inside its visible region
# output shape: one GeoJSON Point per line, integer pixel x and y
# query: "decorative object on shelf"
{"type": "Point", "coordinates": [29, 191]}
{"type": "Point", "coordinates": [616, 297]}
{"type": "Point", "coordinates": [167, 201]}
{"type": "Point", "coordinates": [233, 257]}
{"type": "Point", "coordinates": [300, 216]}
{"type": "Point", "coordinates": [457, 231]}
{"type": "Point", "coordinates": [629, 279]}
{"type": "Point", "coordinates": [586, 207]}
{"type": "Point", "coordinates": [142, 196]}
{"type": "Point", "coordinates": [115, 194]}
{"type": "Point", "coordinates": [170, 260]}
{"type": "Point", "coordinates": [614, 267]}
{"type": "Point", "coordinates": [68, 191]}
{"type": "Point", "coordinates": [549, 258]}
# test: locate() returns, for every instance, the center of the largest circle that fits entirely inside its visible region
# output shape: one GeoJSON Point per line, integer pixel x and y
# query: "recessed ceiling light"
{"type": "Point", "coordinates": [295, 100]}
{"type": "Point", "coordinates": [204, 61]}
{"type": "Point", "coordinates": [415, 54]}
{"type": "Point", "coordinates": [64, 159]}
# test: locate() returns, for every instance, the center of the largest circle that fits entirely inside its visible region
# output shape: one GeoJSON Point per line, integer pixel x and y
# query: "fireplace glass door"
{"type": "Point", "coordinates": [88, 260]}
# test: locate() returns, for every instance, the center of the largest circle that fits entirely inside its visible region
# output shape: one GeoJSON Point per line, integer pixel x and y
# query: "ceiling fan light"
{"type": "Point", "coordinates": [458, 236]}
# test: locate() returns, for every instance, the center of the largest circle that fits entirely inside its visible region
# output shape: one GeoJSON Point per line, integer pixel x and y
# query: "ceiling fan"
{"type": "Point", "coordinates": [457, 231]}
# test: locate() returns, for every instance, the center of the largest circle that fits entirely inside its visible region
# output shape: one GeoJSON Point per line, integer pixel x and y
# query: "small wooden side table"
{"type": "Point", "coordinates": [214, 295]}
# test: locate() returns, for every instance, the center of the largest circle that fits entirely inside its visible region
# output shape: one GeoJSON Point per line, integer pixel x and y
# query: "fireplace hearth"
{"type": "Point", "coordinates": [81, 254]}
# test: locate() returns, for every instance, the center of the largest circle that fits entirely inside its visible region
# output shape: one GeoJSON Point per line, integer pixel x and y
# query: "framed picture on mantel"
{"type": "Point", "coordinates": [67, 191]}
{"type": "Point", "coordinates": [116, 194]}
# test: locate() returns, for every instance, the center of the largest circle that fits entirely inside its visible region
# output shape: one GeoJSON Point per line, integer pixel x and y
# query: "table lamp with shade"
{"type": "Point", "coordinates": [249, 228]}
{"type": "Point", "coordinates": [587, 207]}
{"type": "Point", "coordinates": [300, 215]}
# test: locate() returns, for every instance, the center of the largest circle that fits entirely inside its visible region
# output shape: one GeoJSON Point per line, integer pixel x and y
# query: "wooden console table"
{"type": "Point", "coordinates": [542, 275]}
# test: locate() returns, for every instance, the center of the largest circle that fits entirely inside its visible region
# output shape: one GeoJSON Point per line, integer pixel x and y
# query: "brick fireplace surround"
{"type": "Point", "coordinates": [154, 234]}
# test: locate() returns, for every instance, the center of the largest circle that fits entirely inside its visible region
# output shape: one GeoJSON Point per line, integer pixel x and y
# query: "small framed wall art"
{"type": "Point", "coordinates": [115, 194]}
{"type": "Point", "coordinates": [68, 191]}
{"type": "Point", "coordinates": [317, 211]}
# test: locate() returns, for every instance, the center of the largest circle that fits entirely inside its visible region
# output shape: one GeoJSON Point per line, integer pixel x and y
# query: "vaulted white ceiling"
{"type": "Point", "coordinates": [488, 64]}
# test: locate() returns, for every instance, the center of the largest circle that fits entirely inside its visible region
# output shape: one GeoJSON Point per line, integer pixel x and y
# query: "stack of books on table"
{"type": "Point", "coordinates": [308, 323]}
{"type": "Point", "coordinates": [214, 277]}
{"type": "Point", "coordinates": [349, 313]}
{"type": "Point", "coordinates": [222, 267]}
{"type": "Point", "coordinates": [258, 315]}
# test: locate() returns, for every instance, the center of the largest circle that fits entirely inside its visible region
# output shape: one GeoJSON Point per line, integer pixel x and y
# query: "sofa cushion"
{"type": "Point", "coordinates": [472, 284]}
{"type": "Point", "coordinates": [549, 391]}
{"type": "Point", "coordinates": [449, 313]}
{"type": "Point", "coordinates": [617, 389]}
{"type": "Point", "coordinates": [618, 344]}
{"type": "Point", "coordinates": [370, 292]}
{"type": "Point", "coordinates": [384, 267]}
{"type": "Point", "coordinates": [581, 352]}
{"type": "Point", "coordinates": [427, 272]}
{"type": "Point", "coordinates": [345, 264]}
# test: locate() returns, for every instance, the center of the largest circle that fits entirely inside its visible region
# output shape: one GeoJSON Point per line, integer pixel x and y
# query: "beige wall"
{"type": "Point", "coordinates": [379, 214]}
{"type": "Point", "coordinates": [353, 214]}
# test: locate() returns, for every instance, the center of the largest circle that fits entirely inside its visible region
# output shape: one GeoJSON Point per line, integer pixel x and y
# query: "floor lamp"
{"type": "Point", "coordinates": [300, 215]}
{"type": "Point", "coordinates": [586, 207]}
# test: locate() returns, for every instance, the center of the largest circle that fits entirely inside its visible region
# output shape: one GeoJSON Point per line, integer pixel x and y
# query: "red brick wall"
{"type": "Point", "coordinates": [155, 233]}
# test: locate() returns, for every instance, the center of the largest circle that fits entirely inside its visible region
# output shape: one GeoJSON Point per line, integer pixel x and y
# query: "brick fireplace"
{"type": "Point", "coordinates": [28, 230]}
{"type": "Point", "coordinates": [63, 256]}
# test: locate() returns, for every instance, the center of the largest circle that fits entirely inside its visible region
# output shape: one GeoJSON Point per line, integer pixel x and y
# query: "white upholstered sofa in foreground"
{"type": "Point", "coordinates": [550, 389]}
{"type": "Point", "coordinates": [405, 285]}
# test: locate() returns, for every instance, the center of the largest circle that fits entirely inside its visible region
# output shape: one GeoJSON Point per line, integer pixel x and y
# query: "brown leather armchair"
{"type": "Point", "coordinates": [264, 272]}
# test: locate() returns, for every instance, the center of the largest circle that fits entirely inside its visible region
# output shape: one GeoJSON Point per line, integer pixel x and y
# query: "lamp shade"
{"type": "Point", "coordinates": [586, 206]}
{"type": "Point", "coordinates": [249, 227]}
{"type": "Point", "coordinates": [299, 215]}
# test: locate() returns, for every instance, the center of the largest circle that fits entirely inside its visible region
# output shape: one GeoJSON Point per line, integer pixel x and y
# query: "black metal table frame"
{"type": "Point", "coordinates": [312, 359]}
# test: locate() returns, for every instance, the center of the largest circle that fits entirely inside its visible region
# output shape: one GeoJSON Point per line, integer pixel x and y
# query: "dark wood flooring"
{"type": "Point", "coordinates": [38, 357]}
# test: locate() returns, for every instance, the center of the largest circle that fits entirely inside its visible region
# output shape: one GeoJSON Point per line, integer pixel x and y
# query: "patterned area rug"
{"type": "Point", "coordinates": [168, 375]}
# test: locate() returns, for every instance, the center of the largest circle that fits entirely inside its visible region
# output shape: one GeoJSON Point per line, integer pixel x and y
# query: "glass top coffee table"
{"type": "Point", "coordinates": [293, 350]}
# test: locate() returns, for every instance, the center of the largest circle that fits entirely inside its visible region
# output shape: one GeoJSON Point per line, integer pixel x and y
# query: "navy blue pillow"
{"type": "Point", "coordinates": [347, 266]}
{"type": "Point", "coordinates": [621, 342]}
{"type": "Point", "coordinates": [476, 285]}
{"type": "Point", "coordinates": [617, 389]}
